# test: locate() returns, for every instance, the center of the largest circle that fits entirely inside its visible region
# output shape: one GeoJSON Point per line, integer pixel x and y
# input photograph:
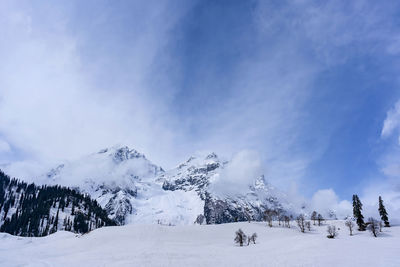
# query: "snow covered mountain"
{"type": "Point", "coordinates": [201, 174]}
{"type": "Point", "coordinates": [112, 176]}
{"type": "Point", "coordinates": [134, 190]}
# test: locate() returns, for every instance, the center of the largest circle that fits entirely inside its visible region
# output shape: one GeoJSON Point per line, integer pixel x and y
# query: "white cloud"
{"type": "Point", "coordinates": [241, 172]}
{"type": "Point", "coordinates": [392, 121]}
{"type": "Point", "coordinates": [28, 170]}
{"type": "Point", "coordinates": [324, 201]}
{"type": "Point", "coordinates": [388, 184]}
{"type": "Point", "coordinates": [390, 160]}
{"type": "Point", "coordinates": [4, 146]}
{"type": "Point", "coordinates": [55, 106]}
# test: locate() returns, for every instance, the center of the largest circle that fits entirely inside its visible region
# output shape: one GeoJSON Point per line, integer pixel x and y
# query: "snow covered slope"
{"type": "Point", "coordinates": [203, 245]}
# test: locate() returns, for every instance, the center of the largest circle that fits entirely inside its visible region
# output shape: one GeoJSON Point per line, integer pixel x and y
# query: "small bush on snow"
{"type": "Point", "coordinates": [240, 237]}
{"type": "Point", "coordinates": [252, 238]}
{"type": "Point", "coordinates": [332, 233]}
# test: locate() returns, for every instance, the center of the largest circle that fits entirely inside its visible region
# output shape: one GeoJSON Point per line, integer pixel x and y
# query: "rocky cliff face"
{"type": "Point", "coordinates": [194, 174]}
{"type": "Point", "coordinates": [199, 173]}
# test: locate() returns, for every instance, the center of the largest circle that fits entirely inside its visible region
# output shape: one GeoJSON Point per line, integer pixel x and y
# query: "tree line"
{"type": "Point", "coordinates": [32, 210]}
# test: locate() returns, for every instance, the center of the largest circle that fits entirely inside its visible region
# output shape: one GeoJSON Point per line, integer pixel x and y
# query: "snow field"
{"type": "Point", "coordinates": [203, 245]}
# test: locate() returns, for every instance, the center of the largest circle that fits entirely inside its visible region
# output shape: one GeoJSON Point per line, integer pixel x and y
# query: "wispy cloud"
{"type": "Point", "coordinates": [392, 121]}
{"type": "Point", "coordinates": [172, 77]}
{"type": "Point", "coordinates": [269, 105]}
{"type": "Point", "coordinates": [387, 182]}
{"type": "Point", "coordinates": [241, 172]}
{"type": "Point", "coordinates": [4, 146]}
{"type": "Point", "coordinates": [63, 95]}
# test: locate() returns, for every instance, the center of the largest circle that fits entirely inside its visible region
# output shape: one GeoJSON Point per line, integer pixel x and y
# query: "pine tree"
{"type": "Point", "coordinates": [383, 213]}
{"type": "Point", "coordinates": [357, 208]}
{"type": "Point", "coordinates": [56, 221]}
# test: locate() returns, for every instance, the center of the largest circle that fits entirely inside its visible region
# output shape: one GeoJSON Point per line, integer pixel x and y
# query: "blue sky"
{"type": "Point", "coordinates": [307, 85]}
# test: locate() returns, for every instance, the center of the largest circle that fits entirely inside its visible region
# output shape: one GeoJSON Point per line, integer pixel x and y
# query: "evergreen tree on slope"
{"type": "Point", "coordinates": [357, 208]}
{"type": "Point", "coordinates": [383, 213]}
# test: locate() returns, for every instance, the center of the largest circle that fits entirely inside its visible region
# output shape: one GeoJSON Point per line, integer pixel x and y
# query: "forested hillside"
{"type": "Point", "coordinates": [31, 210]}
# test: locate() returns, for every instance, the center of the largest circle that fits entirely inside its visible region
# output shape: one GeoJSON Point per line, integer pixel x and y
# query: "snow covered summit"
{"type": "Point", "coordinates": [112, 176]}
{"type": "Point", "coordinates": [134, 190]}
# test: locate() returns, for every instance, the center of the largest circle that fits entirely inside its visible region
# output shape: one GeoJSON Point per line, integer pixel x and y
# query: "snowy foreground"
{"type": "Point", "coordinates": [206, 245]}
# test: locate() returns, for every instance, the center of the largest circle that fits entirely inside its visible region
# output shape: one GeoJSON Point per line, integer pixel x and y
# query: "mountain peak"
{"type": "Point", "coordinates": [212, 155]}
{"type": "Point", "coordinates": [121, 153]}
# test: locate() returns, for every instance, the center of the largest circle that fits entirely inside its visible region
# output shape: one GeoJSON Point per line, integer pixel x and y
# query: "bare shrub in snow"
{"type": "Point", "coordinates": [252, 238]}
{"type": "Point", "coordinates": [314, 216]}
{"type": "Point", "coordinates": [301, 223]}
{"type": "Point", "coordinates": [332, 233]}
{"type": "Point", "coordinates": [320, 219]}
{"type": "Point", "coordinates": [240, 237]}
{"type": "Point", "coordinates": [281, 219]}
{"type": "Point", "coordinates": [373, 226]}
{"type": "Point", "coordinates": [279, 216]}
{"type": "Point", "coordinates": [200, 219]}
{"type": "Point", "coordinates": [269, 216]}
{"type": "Point", "coordinates": [308, 226]}
{"type": "Point", "coordinates": [350, 224]}
{"type": "Point", "coordinates": [287, 220]}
